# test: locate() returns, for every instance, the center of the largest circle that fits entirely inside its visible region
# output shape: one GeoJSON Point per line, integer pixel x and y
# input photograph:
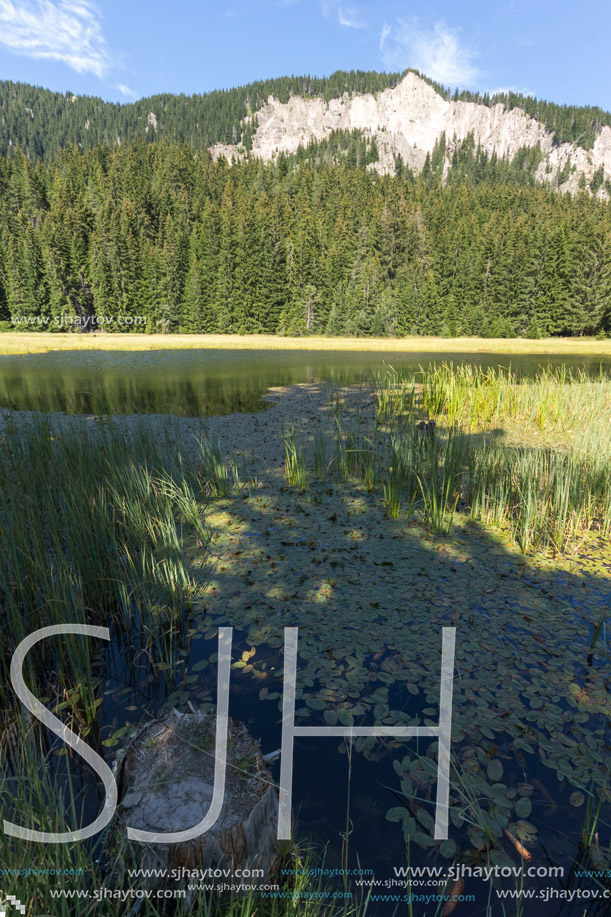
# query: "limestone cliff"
{"type": "Point", "coordinates": [409, 120]}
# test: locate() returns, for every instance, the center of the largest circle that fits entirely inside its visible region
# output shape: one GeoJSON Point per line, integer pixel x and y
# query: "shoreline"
{"type": "Point", "coordinates": [15, 344]}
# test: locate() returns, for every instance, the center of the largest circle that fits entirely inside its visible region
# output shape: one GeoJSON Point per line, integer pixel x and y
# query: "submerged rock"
{"type": "Point", "coordinates": [166, 784]}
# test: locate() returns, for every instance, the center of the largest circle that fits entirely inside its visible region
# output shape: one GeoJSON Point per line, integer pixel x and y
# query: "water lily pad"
{"type": "Point", "coordinates": [448, 849]}
{"type": "Point", "coordinates": [523, 807]}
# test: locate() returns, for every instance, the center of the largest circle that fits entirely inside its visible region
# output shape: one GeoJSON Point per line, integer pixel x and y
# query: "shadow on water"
{"type": "Point", "coordinates": [530, 712]}
{"type": "Point", "coordinates": [370, 597]}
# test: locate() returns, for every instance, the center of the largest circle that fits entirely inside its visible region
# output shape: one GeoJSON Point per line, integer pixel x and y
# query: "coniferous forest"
{"type": "Point", "coordinates": [314, 243]}
{"type": "Point", "coordinates": [42, 122]}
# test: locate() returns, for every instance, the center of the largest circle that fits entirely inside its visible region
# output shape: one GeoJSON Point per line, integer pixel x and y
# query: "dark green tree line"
{"type": "Point", "coordinates": [163, 232]}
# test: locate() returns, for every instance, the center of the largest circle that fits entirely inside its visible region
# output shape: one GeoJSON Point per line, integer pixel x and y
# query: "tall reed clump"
{"type": "Point", "coordinates": [441, 480]}
{"type": "Point", "coordinates": [555, 400]}
{"type": "Point", "coordinates": [214, 474]}
{"type": "Point", "coordinates": [545, 498]}
{"type": "Point", "coordinates": [294, 465]}
{"type": "Point", "coordinates": [92, 529]}
{"type": "Point", "coordinates": [548, 498]}
{"type": "Point", "coordinates": [396, 395]}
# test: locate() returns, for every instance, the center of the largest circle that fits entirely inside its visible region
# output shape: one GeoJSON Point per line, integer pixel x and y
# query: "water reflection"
{"type": "Point", "coordinates": [192, 383]}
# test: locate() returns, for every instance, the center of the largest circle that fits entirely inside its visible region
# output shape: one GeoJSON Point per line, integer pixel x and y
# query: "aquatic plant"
{"type": "Point", "coordinates": [214, 473]}
{"type": "Point", "coordinates": [295, 468]}
{"type": "Point", "coordinates": [548, 497]}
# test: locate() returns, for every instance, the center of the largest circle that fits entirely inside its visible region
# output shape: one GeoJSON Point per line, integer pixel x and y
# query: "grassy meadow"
{"type": "Point", "coordinates": [41, 342]}
{"type": "Point", "coordinates": [368, 516]}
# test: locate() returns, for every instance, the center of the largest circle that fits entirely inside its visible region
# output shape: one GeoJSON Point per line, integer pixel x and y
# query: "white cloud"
{"type": "Point", "coordinates": [438, 52]}
{"type": "Point", "coordinates": [125, 90]}
{"type": "Point", "coordinates": [386, 30]}
{"type": "Point", "coordinates": [69, 31]}
{"type": "Point", "coordinates": [348, 18]}
{"type": "Point", "coordinates": [505, 90]}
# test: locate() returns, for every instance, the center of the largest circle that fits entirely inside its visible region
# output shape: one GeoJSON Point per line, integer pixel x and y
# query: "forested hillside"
{"type": "Point", "coordinates": [41, 122]}
{"type": "Point", "coordinates": [163, 232]}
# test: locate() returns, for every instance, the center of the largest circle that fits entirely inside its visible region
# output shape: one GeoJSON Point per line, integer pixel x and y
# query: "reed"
{"type": "Point", "coordinates": [393, 486]}
{"type": "Point", "coordinates": [440, 487]}
{"type": "Point", "coordinates": [320, 457]}
{"type": "Point", "coordinates": [295, 467]}
{"type": "Point", "coordinates": [214, 473]}
{"type": "Point", "coordinates": [546, 497]}
{"type": "Point", "coordinates": [561, 400]}
{"type": "Point", "coordinates": [91, 530]}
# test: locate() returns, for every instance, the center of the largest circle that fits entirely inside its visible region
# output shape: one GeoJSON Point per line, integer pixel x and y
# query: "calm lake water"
{"type": "Point", "coordinates": [194, 383]}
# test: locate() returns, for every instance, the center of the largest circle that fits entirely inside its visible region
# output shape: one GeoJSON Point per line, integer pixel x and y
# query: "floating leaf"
{"type": "Point", "coordinates": [397, 814]}
{"type": "Point", "coordinates": [314, 704]}
{"type": "Point", "coordinates": [447, 849]}
{"type": "Point", "coordinates": [523, 807]}
{"type": "Point", "coordinates": [425, 818]}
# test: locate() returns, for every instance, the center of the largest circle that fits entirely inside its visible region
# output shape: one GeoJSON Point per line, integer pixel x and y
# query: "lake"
{"type": "Point", "coordinates": [193, 383]}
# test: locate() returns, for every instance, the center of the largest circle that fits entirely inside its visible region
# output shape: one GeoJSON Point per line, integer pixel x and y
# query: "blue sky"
{"type": "Point", "coordinates": [125, 49]}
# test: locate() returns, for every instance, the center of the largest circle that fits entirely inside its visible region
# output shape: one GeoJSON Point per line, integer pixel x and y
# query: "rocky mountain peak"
{"type": "Point", "coordinates": [410, 119]}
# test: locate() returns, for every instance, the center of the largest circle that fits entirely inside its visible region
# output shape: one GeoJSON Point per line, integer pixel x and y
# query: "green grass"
{"type": "Point", "coordinates": [92, 530]}
{"type": "Point", "coordinates": [214, 474]}
{"type": "Point", "coordinates": [556, 401]}
{"type": "Point", "coordinates": [91, 527]}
